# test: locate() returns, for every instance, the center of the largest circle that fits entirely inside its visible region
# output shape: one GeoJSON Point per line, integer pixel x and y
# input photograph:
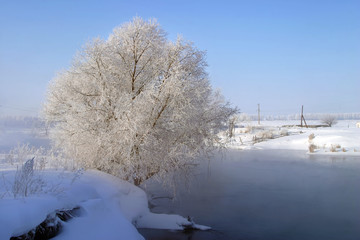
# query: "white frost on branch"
{"type": "Point", "coordinates": [136, 104]}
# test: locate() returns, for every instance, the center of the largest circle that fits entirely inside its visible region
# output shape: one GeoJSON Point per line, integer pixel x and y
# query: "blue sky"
{"type": "Point", "coordinates": [280, 54]}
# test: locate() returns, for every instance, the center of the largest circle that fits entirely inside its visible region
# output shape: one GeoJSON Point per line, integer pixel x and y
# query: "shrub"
{"type": "Point", "coordinates": [311, 137]}
{"type": "Point", "coordinates": [262, 136]}
{"type": "Point", "coordinates": [26, 182]}
{"type": "Point", "coordinates": [284, 132]}
{"type": "Point", "coordinates": [249, 129]}
{"type": "Point", "coordinates": [329, 120]}
{"type": "Point", "coordinates": [19, 154]}
{"type": "Point", "coordinates": [28, 176]}
{"type": "Point", "coordinates": [333, 148]}
{"type": "Point", "coordinates": [312, 147]}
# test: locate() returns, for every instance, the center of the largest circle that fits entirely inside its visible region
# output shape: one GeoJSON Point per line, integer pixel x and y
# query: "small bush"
{"type": "Point", "coordinates": [21, 153]}
{"type": "Point", "coordinates": [28, 176]}
{"type": "Point", "coordinates": [333, 148]}
{"type": "Point", "coordinates": [26, 182]}
{"type": "Point", "coordinates": [266, 135]}
{"type": "Point", "coordinates": [262, 136]}
{"type": "Point", "coordinates": [43, 158]}
{"type": "Point", "coordinates": [311, 137]}
{"type": "Point", "coordinates": [312, 147]}
{"type": "Point", "coordinates": [284, 132]}
{"type": "Point", "coordinates": [329, 120]}
{"type": "Point", "coordinates": [343, 149]}
{"type": "Point", "coordinates": [249, 129]}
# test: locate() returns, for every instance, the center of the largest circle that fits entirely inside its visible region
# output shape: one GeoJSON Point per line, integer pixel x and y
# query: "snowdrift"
{"type": "Point", "coordinates": [110, 208]}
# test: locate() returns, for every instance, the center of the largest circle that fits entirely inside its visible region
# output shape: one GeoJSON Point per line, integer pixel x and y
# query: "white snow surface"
{"type": "Point", "coordinates": [111, 208]}
{"type": "Point", "coordinates": [342, 138]}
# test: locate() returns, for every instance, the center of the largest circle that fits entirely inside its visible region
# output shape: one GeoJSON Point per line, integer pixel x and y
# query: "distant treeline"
{"type": "Point", "coordinates": [31, 122]}
{"type": "Point", "coordinates": [20, 122]}
{"type": "Point", "coordinates": [308, 116]}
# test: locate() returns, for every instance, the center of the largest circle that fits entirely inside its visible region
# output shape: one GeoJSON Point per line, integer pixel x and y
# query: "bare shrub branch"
{"type": "Point", "coordinates": [329, 120]}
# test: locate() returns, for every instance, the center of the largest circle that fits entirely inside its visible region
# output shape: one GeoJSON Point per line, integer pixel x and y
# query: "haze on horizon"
{"type": "Point", "coordinates": [280, 54]}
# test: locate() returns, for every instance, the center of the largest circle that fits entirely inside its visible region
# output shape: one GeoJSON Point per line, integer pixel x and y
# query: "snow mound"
{"type": "Point", "coordinates": [111, 208]}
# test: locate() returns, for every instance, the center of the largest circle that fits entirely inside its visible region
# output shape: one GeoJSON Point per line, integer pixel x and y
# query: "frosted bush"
{"type": "Point", "coordinates": [263, 135]}
{"type": "Point", "coordinates": [333, 148]}
{"type": "Point", "coordinates": [311, 137]}
{"type": "Point", "coordinates": [284, 132]}
{"type": "Point", "coordinates": [248, 129]}
{"type": "Point", "coordinates": [329, 120]}
{"type": "Point", "coordinates": [312, 147]}
{"type": "Point", "coordinates": [266, 135]}
{"type": "Point", "coordinates": [19, 154]}
{"type": "Point", "coordinates": [243, 117]}
{"type": "Point", "coordinates": [26, 182]}
{"type": "Point", "coordinates": [30, 162]}
{"type": "Point", "coordinates": [43, 157]}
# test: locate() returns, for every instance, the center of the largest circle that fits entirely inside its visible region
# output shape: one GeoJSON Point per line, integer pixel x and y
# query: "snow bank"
{"type": "Point", "coordinates": [341, 139]}
{"type": "Point", "coordinates": [18, 216]}
{"type": "Point", "coordinates": [111, 208]}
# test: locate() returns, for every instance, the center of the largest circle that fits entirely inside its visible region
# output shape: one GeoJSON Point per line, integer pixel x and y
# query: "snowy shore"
{"type": "Point", "coordinates": [340, 139]}
{"type": "Point", "coordinates": [109, 207]}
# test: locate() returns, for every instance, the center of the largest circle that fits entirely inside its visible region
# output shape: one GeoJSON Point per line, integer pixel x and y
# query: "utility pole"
{"type": "Point", "coordinates": [258, 114]}
{"type": "Point", "coordinates": [302, 117]}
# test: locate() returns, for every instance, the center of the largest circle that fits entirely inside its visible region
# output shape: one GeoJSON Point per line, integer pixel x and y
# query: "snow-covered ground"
{"type": "Point", "coordinates": [342, 138]}
{"type": "Point", "coordinates": [110, 208]}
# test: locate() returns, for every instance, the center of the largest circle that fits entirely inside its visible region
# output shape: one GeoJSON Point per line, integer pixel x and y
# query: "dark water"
{"type": "Point", "coordinates": [280, 195]}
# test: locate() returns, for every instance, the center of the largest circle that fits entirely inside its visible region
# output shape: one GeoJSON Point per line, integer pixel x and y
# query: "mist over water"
{"type": "Point", "coordinates": [268, 194]}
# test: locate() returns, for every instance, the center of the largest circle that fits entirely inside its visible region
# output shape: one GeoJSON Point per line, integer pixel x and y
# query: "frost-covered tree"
{"type": "Point", "coordinates": [329, 120]}
{"type": "Point", "coordinates": [136, 104]}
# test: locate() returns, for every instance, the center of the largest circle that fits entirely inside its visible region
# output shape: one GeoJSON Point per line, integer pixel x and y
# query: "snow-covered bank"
{"type": "Point", "coordinates": [341, 139]}
{"type": "Point", "coordinates": [111, 208]}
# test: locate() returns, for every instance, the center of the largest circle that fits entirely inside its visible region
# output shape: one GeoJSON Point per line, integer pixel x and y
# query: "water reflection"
{"type": "Point", "coordinates": [269, 195]}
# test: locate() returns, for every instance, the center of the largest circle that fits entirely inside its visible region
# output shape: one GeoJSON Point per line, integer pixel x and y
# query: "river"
{"type": "Point", "coordinates": [266, 194]}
